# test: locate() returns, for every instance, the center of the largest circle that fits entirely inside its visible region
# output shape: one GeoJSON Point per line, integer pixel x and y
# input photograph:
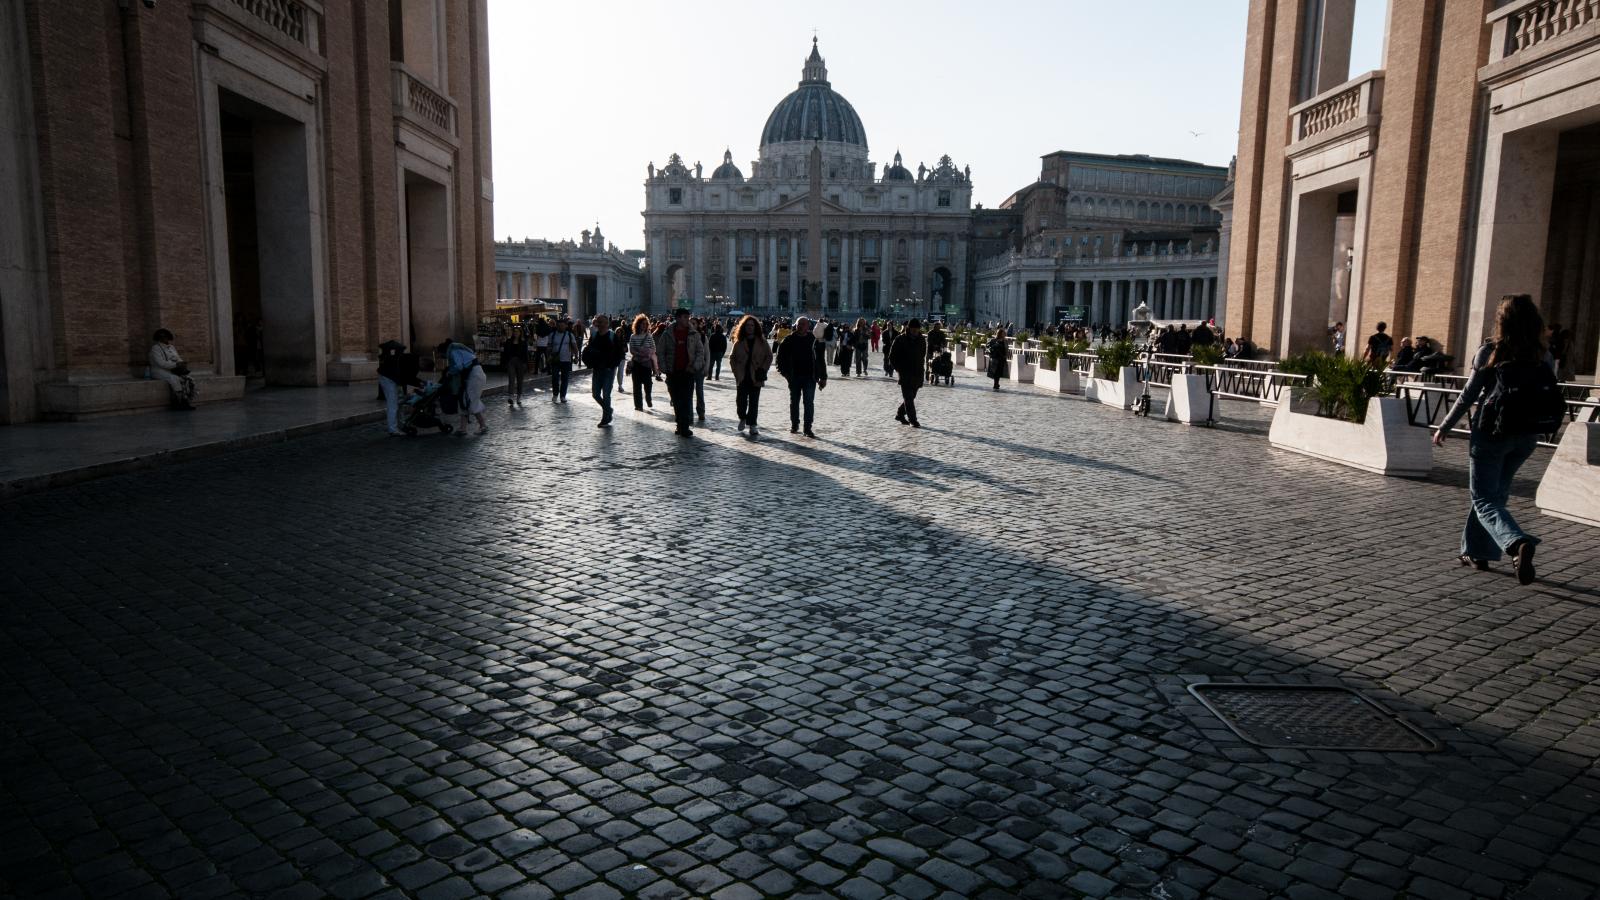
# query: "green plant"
{"type": "Point", "coordinates": [1341, 385]}
{"type": "Point", "coordinates": [1207, 354]}
{"type": "Point", "coordinates": [1053, 348]}
{"type": "Point", "coordinates": [1115, 356]}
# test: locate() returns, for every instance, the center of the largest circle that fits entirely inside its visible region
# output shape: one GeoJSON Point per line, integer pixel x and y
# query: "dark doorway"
{"type": "Point", "coordinates": [244, 251]}
{"type": "Point", "coordinates": [869, 295]}
{"type": "Point", "coordinates": [267, 202]}
{"type": "Point", "coordinates": [747, 292]}
{"type": "Point", "coordinates": [1568, 296]}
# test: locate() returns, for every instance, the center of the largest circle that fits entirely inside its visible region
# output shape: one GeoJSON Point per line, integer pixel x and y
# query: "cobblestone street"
{"type": "Point", "coordinates": [561, 661]}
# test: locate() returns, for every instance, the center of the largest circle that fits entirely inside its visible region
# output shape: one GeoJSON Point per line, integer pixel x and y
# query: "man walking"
{"type": "Point", "coordinates": [683, 358]}
{"type": "Point", "coordinates": [802, 362]}
{"type": "Point", "coordinates": [1379, 346]}
{"type": "Point", "coordinates": [603, 354]}
{"type": "Point", "coordinates": [563, 351]}
{"type": "Point", "coordinates": [910, 352]}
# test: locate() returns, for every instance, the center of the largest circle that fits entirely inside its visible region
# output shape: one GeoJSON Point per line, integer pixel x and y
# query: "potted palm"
{"type": "Point", "coordinates": [1340, 416]}
{"type": "Point", "coordinates": [1116, 381]}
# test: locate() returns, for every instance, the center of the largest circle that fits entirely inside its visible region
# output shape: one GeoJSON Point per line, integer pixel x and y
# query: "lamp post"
{"type": "Point", "coordinates": [914, 302]}
{"type": "Point", "coordinates": [720, 302]}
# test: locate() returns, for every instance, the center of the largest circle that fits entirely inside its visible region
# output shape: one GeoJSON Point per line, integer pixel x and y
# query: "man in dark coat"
{"type": "Point", "coordinates": [910, 351]}
{"type": "Point", "coordinates": [602, 354]}
{"type": "Point", "coordinates": [802, 361]}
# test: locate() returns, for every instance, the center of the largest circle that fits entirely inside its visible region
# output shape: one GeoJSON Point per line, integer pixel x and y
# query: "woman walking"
{"type": "Point", "coordinates": [1522, 401]}
{"type": "Point", "coordinates": [642, 361]}
{"type": "Point", "coordinates": [999, 351]}
{"type": "Point", "coordinates": [749, 362]}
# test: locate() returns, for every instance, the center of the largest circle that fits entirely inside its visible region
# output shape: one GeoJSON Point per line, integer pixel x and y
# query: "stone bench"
{"type": "Point", "coordinates": [1570, 488]}
{"type": "Point", "coordinates": [73, 400]}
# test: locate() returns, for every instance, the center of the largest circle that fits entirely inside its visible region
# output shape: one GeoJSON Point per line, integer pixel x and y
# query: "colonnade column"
{"type": "Point", "coordinates": [730, 276]}
{"type": "Point", "coordinates": [1211, 297]}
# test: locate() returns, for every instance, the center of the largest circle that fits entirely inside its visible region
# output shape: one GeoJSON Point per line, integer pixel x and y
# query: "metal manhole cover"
{"type": "Point", "coordinates": [1309, 717]}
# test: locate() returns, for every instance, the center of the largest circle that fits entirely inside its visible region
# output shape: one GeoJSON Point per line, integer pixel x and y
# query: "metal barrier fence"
{"type": "Point", "coordinates": [1427, 404]}
{"type": "Point", "coordinates": [1262, 385]}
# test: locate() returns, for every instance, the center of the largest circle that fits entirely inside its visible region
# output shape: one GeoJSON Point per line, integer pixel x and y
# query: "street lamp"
{"type": "Point", "coordinates": [914, 301]}
{"type": "Point", "coordinates": [720, 302]}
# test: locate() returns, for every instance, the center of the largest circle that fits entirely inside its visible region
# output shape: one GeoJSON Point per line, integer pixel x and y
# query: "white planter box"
{"type": "Point", "coordinates": [1022, 372]}
{"type": "Point", "coordinates": [1570, 488]}
{"type": "Point", "coordinates": [1189, 401]}
{"type": "Point", "coordinates": [978, 362]}
{"type": "Point", "coordinates": [1061, 379]}
{"type": "Point", "coordinates": [1120, 393]}
{"type": "Point", "coordinates": [958, 355]}
{"type": "Point", "coordinates": [1385, 443]}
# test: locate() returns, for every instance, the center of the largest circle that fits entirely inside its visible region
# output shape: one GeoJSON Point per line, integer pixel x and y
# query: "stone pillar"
{"type": "Point", "coordinates": [730, 272]}
{"type": "Point", "coordinates": [844, 270]}
{"type": "Point", "coordinates": [794, 272]}
{"type": "Point", "coordinates": [697, 256]}
{"type": "Point", "coordinates": [919, 278]}
{"type": "Point", "coordinates": [768, 295]}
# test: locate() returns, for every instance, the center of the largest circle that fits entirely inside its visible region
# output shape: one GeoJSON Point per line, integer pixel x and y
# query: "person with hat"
{"type": "Point", "coordinates": [397, 371]}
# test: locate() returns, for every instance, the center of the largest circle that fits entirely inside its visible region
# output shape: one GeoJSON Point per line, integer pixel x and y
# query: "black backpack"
{"type": "Point", "coordinates": [1525, 399]}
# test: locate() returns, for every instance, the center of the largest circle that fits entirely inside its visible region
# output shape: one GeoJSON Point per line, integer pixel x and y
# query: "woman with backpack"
{"type": "Point", "coordinates": [1521, 401]}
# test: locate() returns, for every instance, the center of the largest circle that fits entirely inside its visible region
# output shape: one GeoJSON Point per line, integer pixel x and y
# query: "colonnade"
{"type": "Point", "coordinates": [527, 285]}
{"type": "Point", "coordinates": [1111, 301]}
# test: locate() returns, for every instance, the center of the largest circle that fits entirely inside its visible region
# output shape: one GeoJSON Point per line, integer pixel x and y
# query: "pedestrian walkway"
{"type": "Point", "coordinates": [51, 454]}
{"type": "Point", "coordinates": [564, 661]}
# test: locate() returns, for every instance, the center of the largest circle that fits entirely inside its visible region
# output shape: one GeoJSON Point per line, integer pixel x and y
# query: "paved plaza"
{"type": "Point", "coordinates": [559, 661]}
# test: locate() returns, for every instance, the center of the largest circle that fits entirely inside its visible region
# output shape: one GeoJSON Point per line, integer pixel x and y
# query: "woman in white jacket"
{"type": "Point", "coordinates": [167, 365]}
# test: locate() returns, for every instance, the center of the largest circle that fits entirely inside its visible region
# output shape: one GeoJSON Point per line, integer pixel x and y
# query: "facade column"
{"type": "Point", "coordinates": [768, 293]}
{"type": "Point", "coordinates": [730, 272]}
{"type": "Point", "coordinates": [1211, 298]}
{"type": "Point", "coordinates": [794, 272]}
{"type": "Point", "coordinates": [919, 278]}
{"type": "Point", "coordinates": [697, 257]}
{"type": "Point", "coordinates": [844, 270]}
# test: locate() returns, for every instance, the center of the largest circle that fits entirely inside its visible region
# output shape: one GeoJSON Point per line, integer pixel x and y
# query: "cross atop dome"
{"type": "Point", "coordinates": [815, 72]}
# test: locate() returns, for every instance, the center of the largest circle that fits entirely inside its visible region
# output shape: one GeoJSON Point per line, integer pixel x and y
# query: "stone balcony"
{"type": "Point", "coordinates": [1529, 34]}
{"type": "Point", "coordinates": [1346, 113]}
{"type": "Point", "coordinates": [418, 104]}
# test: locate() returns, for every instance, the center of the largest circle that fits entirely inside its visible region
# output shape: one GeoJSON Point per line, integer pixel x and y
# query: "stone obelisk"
{"type": "Point", "coordinates": [815, 264]}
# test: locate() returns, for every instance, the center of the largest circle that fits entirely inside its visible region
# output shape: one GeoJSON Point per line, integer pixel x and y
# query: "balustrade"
{"type": "Point", "coordinates": [286, 17]}
{"type": "Point", "coordinates": [415, 100]}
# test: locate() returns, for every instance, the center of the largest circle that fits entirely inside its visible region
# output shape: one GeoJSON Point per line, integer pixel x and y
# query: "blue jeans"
{"type": "Point", "coordinates": [700, 395]}
{"type": "Point", "coordinates": [600, 386]}
{"type": "Point", "coordinates": [802, 390]}
{"type": "Point", "coordinates": [1490, 529]}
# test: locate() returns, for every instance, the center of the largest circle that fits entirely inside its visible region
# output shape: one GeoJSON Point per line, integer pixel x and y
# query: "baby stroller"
{"type": "Point", "coordinates": [943, 368]}
{"type": "Point", "coordinates": [423, 409]}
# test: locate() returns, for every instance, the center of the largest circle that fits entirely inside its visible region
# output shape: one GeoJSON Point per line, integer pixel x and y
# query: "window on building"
{"type": "Point", "coordinates": [835, 199]}
{"type": "Point", "coordinates": [833, 248]}
{"type": "Point", "coordinates": [870, 201]}
{"type": "Point", "coordinates": [675, 248]}
{"type": "Point", "coordinates": [944, 198]}
{"type": "Point", "coordinates": [900, 248]}
{"type": "Point", "coordinates": [783, 198]}
{"type": "Point", "coordinates": [747, 245]}
{"type": "Point", "coordinates": [869, 248]}
{"type": "Point", "coordinates": [943, 248]}
{"type": "Point", "coordinates": [675, 196]}
{"type": "Point", "coordinates": [783, 248]}
{"type": "Point", "coordinates": [903, 202]}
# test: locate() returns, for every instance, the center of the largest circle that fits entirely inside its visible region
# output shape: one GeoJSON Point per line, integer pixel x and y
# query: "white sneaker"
{"type": "Point", "coordinates": [741, 426]}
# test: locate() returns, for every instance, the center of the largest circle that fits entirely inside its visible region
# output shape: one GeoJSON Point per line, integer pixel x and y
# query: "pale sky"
{"type": "Point", "coordinates": [585, 94]}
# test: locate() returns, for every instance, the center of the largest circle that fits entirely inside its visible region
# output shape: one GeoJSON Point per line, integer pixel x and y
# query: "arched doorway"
{"type": "Point", "coordinates": [677, 285]}
{"type": "Point", "coordinates": [940, 295]}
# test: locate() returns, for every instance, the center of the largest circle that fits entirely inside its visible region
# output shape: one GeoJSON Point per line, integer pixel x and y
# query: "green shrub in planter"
{"type": "Point", "coordinates": [1114, 356]}
{"type": "Point", "coordinates": [1341, 385]}
{"type": "Point", "coordinates": [1052, 348]}
{"type": "Point", "coordinates": [1208, 355]}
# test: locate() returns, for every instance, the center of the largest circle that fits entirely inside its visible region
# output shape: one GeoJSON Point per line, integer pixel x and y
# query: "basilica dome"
{"type": "Point", "coordinates": [814, 111]}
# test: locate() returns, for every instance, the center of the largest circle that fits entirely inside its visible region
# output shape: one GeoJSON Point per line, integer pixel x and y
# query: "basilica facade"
{"type": "Point", "coordinates": [815, 226]}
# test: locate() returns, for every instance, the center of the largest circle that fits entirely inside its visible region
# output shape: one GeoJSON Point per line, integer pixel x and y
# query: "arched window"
{"type": "Point", "coordinates": [900, 248]}
{"type": "Point", "coordinates": [1075, 207]}
{"type": "Point", "coordinates": [1116, 209]}
{"type": "Point", "coordinates": [1144, 211]}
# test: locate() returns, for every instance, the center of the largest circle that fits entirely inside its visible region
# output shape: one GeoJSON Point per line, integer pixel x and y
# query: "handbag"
{"type": "Point", "coordinates": [181, 370]}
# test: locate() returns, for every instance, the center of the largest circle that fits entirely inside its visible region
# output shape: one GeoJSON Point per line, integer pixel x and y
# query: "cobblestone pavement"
{"type": "Point", "coordinates": [561, 661]}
